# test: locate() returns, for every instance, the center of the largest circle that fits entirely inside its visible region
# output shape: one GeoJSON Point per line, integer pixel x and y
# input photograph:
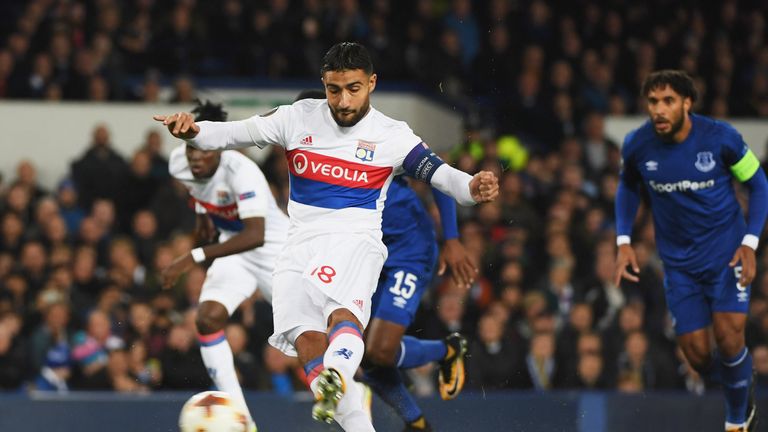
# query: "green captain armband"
{"type": "Point", "coordinates": [744, 169]}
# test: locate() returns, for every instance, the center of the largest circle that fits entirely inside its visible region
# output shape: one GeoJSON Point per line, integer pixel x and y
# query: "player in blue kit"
{"type": "Point", "coordinates": [687, 162]}
{"type": "Point", "coordinates": [409, 235]}
{"type": "Point", "coordinates": [410, 238]}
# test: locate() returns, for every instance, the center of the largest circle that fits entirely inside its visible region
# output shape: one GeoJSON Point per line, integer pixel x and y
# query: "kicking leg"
{"type": "Point", "coordinates": [330, 363]}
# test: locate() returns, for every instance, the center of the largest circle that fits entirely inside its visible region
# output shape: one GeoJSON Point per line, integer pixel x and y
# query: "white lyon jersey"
{"type": "Point", "coordinates": [236, 191]}
{"type": "Point", "coordinates": [338, 176]}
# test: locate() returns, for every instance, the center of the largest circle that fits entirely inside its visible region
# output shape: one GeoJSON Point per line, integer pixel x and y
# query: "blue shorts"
{"type": "Point", "coordinates": [692, 297]}
{"type": "Point", "coordinates": [401, 285]}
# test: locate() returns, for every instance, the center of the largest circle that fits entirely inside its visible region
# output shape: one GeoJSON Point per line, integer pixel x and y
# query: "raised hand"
{"type": "Point", "coordinates": [181, 125]}
{"type": "Point", "coordinates": [484, 187]}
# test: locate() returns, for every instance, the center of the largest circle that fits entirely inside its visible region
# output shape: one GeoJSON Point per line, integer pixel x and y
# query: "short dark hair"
{"type": "Point", "coordinates": [679, 80]}
{"type": "Point", "coordinates": [209, 111]}
{"type": "Point", "coordinates": [347, 56]}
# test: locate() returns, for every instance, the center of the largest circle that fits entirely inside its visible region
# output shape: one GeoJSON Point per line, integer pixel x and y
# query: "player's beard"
{"type": "Point", "coordinates": [674, 128]}
{"type": "Point", "coordinates": [351, 121]}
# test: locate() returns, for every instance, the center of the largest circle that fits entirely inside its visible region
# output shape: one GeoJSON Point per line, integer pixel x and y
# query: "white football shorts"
{"type": "Point", "coordinates": [315, 277]}
{"type": "Point", "coordinates": [234, 278]}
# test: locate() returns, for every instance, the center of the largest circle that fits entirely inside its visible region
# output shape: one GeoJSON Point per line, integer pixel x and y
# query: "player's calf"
{"type": "Point", "coordinates": [380, 355]}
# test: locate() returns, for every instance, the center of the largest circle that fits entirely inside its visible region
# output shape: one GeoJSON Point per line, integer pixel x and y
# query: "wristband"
{"type": "Point", "coordinates": [198, 255]}
{"type": "Point", "coordinates": [750, 240]}
{"type": "Point", "coordinates": [622, 240]}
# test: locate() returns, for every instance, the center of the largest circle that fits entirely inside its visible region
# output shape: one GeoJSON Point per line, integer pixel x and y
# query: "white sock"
{"type": "Point", "coordinates": [220, 364]}
{"type": "Point", "coordinates": [351, 414]}
{"type": "Point", "coordinates": [344, 354]}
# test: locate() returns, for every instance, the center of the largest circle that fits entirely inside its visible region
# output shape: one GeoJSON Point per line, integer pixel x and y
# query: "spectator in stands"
{"type": "Point", "coordinates": [597, 147]}
{"type": "Point", "coordinates": [145, 238]}
{"type": "Point", "coordinates": [90, 351]}
{"type": "Point", "coordinates": [590, 373]}
{"type": "Point", "coordinates": [51, 334]}
{"type": "Point", "coordinates": [98, 173]}
{"type": "Point", "coordinates": [495, 362]}
{"type": "Point", "coordinates": [13, 352]}
{"type": "Point", "coordinates": [540, 361]}
{"type": "Point", "coordinates": [66, 197]}
{"type": "Point", "coordinates": [182, 366]}
{"type": "Point", "coordinates": [137, 189]}
{"type": "Point", "coordinates": [56, 371]}
{"type": "Point", "coordinates": [145, 369]}
{"type": "Point", "coordinates": [26, 175]}
{"type": "Point", "coordinates": [153, 146]}
{"type": "Point", "coordinates": [120, 373]}
{"type": "Point", "coordinates": [246, 363]}
{"type": "Point", "coordinates": [12, 231]}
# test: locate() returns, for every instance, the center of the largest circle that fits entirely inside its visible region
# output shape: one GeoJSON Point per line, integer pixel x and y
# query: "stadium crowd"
{"type": "Point", "coordinates": [513, 63]}
{"type": "Point", "coordinates": [81, 304]}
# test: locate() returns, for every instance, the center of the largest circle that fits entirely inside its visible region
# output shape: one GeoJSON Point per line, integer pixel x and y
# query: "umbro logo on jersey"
{"type": "Point", "coordinates": [652, 165]}
{"type": "Point", "coordinates": [307, 140]}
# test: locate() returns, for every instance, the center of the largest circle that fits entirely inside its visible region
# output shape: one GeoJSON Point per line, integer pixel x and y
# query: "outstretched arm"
{"type": "Point", "coordinates": [206, 135]}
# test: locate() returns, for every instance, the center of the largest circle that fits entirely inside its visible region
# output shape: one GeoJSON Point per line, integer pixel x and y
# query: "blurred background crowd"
{"type": "Point", "coordinates": [81, 306]}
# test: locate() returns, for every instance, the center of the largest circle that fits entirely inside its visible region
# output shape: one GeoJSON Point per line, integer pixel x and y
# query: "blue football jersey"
{"type": "Point", "coordinates": [697, 219]}
{"type": "Point", "coordinates": [407, 228]}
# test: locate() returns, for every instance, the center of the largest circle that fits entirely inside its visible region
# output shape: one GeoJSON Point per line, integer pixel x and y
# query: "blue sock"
{"type": "Point", "coordinates": [281, 384]}
{"type": "Point", "coordinates": [388, 384]}
{"type": "Point", "coordinates": [312, 369]}
{"type": "Point", "coordinates": [737, 376]}
{"type": "Point", "coordinates": [416, 352]}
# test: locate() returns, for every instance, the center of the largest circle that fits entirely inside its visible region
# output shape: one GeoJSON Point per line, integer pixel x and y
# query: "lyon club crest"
{"type": "Point", "coordinates": [705, 161]}
{"type": "Point", "coordinates": [365, 151]}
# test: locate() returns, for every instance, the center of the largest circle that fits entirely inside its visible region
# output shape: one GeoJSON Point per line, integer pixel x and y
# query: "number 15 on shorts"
{"type": "Point", "coordinates": [405, 284]}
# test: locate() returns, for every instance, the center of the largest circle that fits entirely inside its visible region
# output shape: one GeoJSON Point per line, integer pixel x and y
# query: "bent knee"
{"type": "Point", "coordinates": [700, 359]}
{"type": "Point", "coordinates": [208, 322]}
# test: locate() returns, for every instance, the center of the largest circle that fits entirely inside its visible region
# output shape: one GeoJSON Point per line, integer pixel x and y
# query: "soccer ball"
{"type": "Point", "coordinates": [212, 411]}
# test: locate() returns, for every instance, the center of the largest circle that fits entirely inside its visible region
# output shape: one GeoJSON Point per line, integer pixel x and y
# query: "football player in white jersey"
{"type": "Point", "coordinates": [342, 154]}
{"type": "Point", "coordinates": [232, 196]}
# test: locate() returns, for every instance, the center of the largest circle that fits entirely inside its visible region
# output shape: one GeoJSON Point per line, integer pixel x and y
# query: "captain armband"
{"type": "Point", "coordinates": [421, 163]}
{"type": "Point", "coordinates": [744, 169]}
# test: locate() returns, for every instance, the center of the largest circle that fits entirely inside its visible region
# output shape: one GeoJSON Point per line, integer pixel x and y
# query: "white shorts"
{"type": "Point", "coordinates": [234, 278]}
{"type": "Point", "coordinates": [315, 277]}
